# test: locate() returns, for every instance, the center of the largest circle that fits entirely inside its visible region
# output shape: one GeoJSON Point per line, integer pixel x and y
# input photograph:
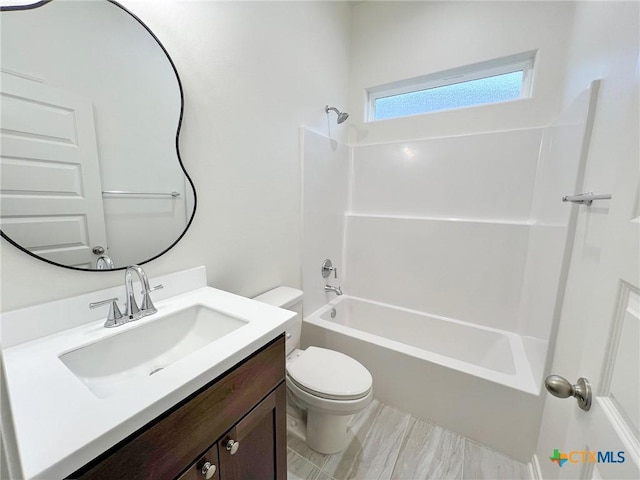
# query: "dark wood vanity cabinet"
{"type": "Point", "coordinates": [232, 429]}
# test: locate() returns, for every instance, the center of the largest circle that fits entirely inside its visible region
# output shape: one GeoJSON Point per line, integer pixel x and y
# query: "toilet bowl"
{"type": "Point", "coordinates": [329, 385]}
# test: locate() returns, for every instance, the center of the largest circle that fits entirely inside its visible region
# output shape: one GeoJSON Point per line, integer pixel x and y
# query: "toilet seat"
{"type": "Point", "coordinates": [329, 374]}
{"type": "Point", "coordinates": [311, 402]}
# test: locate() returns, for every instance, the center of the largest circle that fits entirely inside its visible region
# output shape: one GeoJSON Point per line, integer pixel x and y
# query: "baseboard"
{"type": "Point", "coordinates": [534, 468]}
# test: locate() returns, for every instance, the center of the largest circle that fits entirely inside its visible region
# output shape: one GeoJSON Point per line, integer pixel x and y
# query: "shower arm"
{"type": "Point", "coordinates": [342, 116]}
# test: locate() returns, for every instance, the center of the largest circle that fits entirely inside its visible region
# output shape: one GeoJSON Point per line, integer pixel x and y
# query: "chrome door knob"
{"type": "Point", "coordinates": [561, 387]}
{"type": "Point", "coordinates": [208, 470]}
{"type": "Point", "coordinates": [233, 446]}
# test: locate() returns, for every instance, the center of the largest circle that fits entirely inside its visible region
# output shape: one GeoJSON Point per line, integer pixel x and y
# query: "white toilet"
{"type": "Point", "coordinates": [329, 385]}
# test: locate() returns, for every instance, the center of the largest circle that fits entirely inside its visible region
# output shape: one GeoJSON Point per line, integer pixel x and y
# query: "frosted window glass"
{"type": "Point", "coordinates": [494, 89]}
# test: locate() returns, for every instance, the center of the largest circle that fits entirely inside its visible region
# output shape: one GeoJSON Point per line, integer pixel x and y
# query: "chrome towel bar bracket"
{"type": "Point", "coordinates": [586, 198]}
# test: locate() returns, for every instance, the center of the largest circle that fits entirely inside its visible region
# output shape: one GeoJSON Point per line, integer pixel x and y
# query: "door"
{"type": "Point", "coordinates": [611, 349]}
{"type": "Point", "coordinates": [50, 189]}
{"type": "Point", "coordinates": [599, 331]}
{"type": "Point", "coordinates": [255, 448]}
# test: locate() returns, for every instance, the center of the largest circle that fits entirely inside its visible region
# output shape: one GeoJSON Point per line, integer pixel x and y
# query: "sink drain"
{"type": "Point", "coordinates": [155, 370]}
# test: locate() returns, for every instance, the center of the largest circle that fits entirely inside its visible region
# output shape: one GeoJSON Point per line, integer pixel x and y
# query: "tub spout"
{"type": "Point", "coordinates": [330, 288]}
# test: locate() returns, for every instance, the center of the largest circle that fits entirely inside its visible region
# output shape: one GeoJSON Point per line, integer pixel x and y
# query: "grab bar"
{"type": "Point", "coordinates": [586, 198]}
{"type": "Point", "coordinates": [124, 192]}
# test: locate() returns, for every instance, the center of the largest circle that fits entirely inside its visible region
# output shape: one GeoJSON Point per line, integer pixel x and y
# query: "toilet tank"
{"type": "Point", "coordinates": [290, 299]}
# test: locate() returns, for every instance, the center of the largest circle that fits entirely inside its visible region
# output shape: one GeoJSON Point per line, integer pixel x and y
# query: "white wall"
{"type": "Point", "coordinates": [400, 40]}
{"type": "Point", "coordinates": [252, 74]}
{"type": "Point", "coordinates": [604, 44]}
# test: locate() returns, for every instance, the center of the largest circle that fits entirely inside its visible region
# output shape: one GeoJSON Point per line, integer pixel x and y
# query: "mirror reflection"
{"type": "Point", "coordinates": [91, 176]}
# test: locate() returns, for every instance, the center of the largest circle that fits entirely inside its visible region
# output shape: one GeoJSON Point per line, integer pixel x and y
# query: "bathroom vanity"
{"type": "Point", "coordinates": [197, 385]}
{"type": "Point", "coordinates": [232, 428]}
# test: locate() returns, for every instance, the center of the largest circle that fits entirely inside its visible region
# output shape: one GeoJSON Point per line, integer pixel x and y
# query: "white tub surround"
{"type": "Point", "coordinates": [326, 198]}
{"type": "Point", "coordinates": [49, 403]}
{"type": "Point", "coordinates": [474, 380]}
{"type": "Point", "coordinates": [458, 244]}
{"type": "Point", "coordinates": [470, 227]}
{"type": "Point", "coordinates": [450, 218]}
{"type": "Point", "coordinates": [464, 269]}
{"type": "Point", "coordinates": [487, 176]}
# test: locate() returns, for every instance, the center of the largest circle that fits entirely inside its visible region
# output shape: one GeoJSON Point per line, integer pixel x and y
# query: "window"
{"type": "Point", "coordinates": [496, 81]}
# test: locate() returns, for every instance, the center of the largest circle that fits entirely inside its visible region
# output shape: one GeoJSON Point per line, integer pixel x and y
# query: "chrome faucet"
{"type": "Point", "coordinates": [104, 262]}
{"type": "Point", "coordinates": [132, 311]}
{"type": "Point", "coordinates": [331, 288]}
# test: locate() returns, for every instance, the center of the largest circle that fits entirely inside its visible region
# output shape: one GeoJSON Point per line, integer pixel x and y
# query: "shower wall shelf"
{"type": "Point", "coordinates": [124, 192]}
{"type": "Point", "coordinates": [586, 198]}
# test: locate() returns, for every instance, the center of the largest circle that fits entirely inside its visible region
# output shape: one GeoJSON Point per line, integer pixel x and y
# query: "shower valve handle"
{"type": "Point", "coordinates": [327, 268]}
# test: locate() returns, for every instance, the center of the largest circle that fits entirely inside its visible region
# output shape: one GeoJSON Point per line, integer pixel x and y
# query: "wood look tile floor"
{"type": "Point", "coordinates": [387, 444]}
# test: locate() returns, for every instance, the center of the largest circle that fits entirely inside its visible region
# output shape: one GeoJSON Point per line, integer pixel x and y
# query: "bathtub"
{"type": "Point", "coordinates": [471, 379]}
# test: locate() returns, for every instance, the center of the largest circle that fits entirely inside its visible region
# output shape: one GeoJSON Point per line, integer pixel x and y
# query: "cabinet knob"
{"type": "Point", "coordinates": [233, 446]}
{"type": "Point", "coordinates": [208, 470]}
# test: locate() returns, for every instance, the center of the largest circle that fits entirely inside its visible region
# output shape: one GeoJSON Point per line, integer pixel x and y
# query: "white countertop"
{"type": "Point", "coordinates": [61, 425]}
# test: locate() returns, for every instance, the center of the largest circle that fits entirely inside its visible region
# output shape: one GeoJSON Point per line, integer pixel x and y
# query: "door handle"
{"type": "Point", "coordinates": [561, 387]}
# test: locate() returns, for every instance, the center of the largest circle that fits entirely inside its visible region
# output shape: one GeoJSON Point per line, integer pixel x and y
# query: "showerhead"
{"type": "Point", "coordinates": [342, 116]}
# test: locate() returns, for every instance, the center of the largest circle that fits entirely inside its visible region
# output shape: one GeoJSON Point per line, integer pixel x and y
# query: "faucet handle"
{"type": "Point", "coordinates": [152, 289]}
{"type": "Point", "coordinates": [115, 315]}
{"type": "Point", "coordinates": [327, 268]}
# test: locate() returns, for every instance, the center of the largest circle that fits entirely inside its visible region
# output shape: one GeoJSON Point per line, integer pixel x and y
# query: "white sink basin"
{"type": "Point", "coordinates": [112, 364]}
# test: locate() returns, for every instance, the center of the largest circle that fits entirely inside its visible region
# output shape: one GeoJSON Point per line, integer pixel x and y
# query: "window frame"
{"type": "Point", "coordinates": [524, 62]}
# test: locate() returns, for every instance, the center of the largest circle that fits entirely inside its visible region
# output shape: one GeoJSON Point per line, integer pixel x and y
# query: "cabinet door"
{"type": "Point", "coordinates": [207, 467]}
{"type": "Point", "coordinates": [256, 448]}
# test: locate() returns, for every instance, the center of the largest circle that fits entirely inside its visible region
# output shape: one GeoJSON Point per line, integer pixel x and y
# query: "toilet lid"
{"type": "Point", "coordinates": [330, 374]}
